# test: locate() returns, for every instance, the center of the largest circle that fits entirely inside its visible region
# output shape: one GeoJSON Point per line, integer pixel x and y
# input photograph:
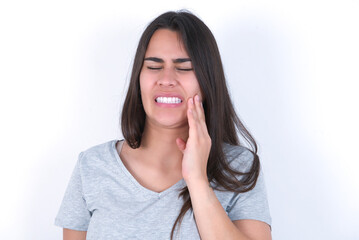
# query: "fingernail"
{"type": "Point", "coordinates": [197, 98]}
{"type": "Point", "coordinates": [191, 100]}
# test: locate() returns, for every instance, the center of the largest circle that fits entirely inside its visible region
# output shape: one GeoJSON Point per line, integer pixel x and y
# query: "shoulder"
{"type": "Point", "coordinates": [97, 154]}
{"type": "Point", "coordinates": [238, 157]}
{"type": "Point", "coordinates": [98, 149]}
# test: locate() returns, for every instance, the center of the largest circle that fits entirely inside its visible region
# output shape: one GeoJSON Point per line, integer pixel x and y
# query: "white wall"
{"type": "Point", "coordinates": [292, 68]}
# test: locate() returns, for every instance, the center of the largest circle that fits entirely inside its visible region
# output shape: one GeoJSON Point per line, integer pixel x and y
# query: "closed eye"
{"type": "Point", "coordinates": [185, 69]}
{"type": "Point", "coordinates": [154, 68]}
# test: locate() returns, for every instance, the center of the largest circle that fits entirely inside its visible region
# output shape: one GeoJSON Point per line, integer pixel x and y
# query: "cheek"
{"type": "Point", "coordinates": [196, 89]}
{"type": "Point", "coordinates": [199, 91]}
{"type": "Point", "coordinates": [144, 86]}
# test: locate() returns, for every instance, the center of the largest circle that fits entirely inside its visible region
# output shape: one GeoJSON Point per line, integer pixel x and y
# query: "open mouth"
{"type": "Point", "coordinates": [168, 100]}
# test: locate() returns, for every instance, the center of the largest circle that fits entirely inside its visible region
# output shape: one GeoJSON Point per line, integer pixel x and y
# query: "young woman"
{"type": "Point", "coordinates": [180, 172]}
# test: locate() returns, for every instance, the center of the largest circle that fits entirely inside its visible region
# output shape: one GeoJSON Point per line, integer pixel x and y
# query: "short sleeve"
{"type": "Point", "coordinates": [252, 204]}
{"type": "Point", "coordinates": [73, 213]}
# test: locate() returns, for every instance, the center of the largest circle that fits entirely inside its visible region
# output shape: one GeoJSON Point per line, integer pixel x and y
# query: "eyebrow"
{"type": "Point", "coordinates": [160, 60]}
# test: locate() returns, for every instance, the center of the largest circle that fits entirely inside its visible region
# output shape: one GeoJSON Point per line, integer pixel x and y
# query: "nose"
{"type": "Point", "coordinates": [167, 78]}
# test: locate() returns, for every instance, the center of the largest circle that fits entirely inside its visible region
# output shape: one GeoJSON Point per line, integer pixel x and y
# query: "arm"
{"type": "Point", "coordinates": [213, 222]}
{"type": "Point", "coordinates": [254, 229]}
{"type": "Point", "coordinates": [73, 212]}
{"type": "Point", "coordinates": [69, 234]}
{"type": "Point", "coordinates": [211, 219]}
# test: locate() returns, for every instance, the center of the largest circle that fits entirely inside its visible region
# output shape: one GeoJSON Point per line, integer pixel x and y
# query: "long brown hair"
{"type": "Point", "coordinates": [222, 121]}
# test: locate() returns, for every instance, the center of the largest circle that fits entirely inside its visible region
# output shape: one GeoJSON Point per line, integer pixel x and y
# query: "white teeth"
{"type": "Point", "coordinates": [168, 100]}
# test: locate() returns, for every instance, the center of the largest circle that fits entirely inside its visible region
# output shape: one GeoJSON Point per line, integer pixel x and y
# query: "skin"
{"type": "Point", "coordinates": [176, 143]}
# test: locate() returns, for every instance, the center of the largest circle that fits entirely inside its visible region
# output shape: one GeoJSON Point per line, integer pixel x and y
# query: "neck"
{"type": "Point", "coordinates": [160, 144]}
{"type": "Point", "coordinates": [157, 137]}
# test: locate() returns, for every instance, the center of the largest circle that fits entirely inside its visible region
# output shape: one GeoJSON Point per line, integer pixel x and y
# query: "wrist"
{"type": "Point", "coordinates": [198, 183]}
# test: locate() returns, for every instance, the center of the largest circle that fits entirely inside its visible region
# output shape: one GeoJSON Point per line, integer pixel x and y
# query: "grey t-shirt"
{"type": "Point", "coordinates": [104, 199]}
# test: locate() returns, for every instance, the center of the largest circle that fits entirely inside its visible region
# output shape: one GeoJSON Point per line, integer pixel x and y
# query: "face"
{"type": "Point", "coordinates": [167, 80]}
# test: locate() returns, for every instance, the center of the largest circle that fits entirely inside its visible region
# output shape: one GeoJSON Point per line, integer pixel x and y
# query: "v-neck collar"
{"type": "Point", "coordinates": [144, 191]}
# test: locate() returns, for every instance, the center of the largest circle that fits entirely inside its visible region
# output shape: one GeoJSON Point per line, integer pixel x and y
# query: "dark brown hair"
{"type": "Point", "coordinates": [222, 121]}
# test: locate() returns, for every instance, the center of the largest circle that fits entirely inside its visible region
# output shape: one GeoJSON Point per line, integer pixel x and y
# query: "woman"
{"type": "Point", "coordinates": [181, 172]}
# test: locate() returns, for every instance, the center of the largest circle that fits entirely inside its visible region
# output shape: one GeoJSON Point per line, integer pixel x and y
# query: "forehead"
{"type": "Point", "coordinates": [166, 43]}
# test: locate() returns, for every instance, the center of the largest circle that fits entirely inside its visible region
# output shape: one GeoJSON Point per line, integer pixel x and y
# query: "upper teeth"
{"type": "Point", "coordinates": [168, 100]}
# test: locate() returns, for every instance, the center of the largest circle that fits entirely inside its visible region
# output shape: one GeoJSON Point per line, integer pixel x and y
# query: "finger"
{"type": "Point", "coordinates": [181, 144]}
{"type": "Point", "coordinates": [192, 108]}
{"type": "Point", "coordinates": [201, 115]}
{"type": "Point", "coordinates": [192, 112]}
{"type": "Point", "coordinates": [199, 108]}
{"type": "Point", "coordinates": [196, 118]}
{"type": "Point", "coordinates": [192, 122]}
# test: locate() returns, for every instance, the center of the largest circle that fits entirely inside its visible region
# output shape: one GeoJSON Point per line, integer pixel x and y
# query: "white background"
{"type": "Point", "coordinates": [293, 72]}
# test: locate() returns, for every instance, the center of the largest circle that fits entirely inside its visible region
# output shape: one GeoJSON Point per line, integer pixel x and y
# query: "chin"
{"type": "Point", "coordinates": [169, 122]}
{"type": "Point", "coordinates": [172, 124]}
